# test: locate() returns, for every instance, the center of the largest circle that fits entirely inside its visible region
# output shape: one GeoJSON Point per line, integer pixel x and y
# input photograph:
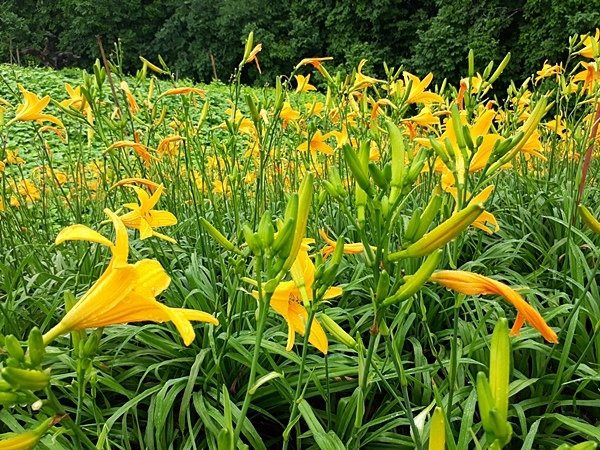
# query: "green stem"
{"type": "Point", "coordinates": [79, 435]}
{"type": "Point", "coordinates": [311, 315]}
{"type": "Point", "coordinates": [263, 310]}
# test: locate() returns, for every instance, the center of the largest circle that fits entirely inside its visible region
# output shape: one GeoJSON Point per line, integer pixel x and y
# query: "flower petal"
{"type": "Point", "coordinates": [81, 233]}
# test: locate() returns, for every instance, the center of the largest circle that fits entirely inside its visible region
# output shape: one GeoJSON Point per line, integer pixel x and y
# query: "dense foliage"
{"type": "Point", "coordinates": [423, 35]}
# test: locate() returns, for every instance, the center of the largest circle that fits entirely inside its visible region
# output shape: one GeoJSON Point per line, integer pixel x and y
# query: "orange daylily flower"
{"type": "Point", "coordinates": [474, 284]}
{"type": "Point", "coordinates": [140, 149]}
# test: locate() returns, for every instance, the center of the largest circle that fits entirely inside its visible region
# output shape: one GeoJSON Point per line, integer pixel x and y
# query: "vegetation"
{"type": "Point", "coordinates": [214, 266]}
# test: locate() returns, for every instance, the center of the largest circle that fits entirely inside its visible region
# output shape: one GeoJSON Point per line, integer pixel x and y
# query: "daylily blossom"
{"type": "Point", "coordinates": [140, 149]}
{"type": "Point", "coordinates": [124, 292]}
{"type": "Point", "coordinates": [591, 45]}
{"type": "Point", "coordinates": [417, 93]}
{"type": "Point", "coordinates": [143, 218]}
{"type": "Point", "coordinates": [183, 91]}
{"type": "Point", "coordinates": [289, 297]}
{"type": "Point", "coordinates": [362, 81]}
{"type": "Point", "coordinates": [303, 84]}
{"type": "Point", "coordinates": [252, 56]}
{"type": "Point", "coordinates": [355, 248]}
{"type": "Point", "coordinates": [590, 76]}
{"type": "Point", "coordinates": [288, 114]}
{"type": "Point", "coordinates": [317, 143]}
{"type": "Point", "coordinates": [547, 71]}
{"type": "Point", "coordinates": [131, 101]}
{"type": "Point", "coordinates": [31, 109]}
{"type": "Point", "coordinates": [474, 284]}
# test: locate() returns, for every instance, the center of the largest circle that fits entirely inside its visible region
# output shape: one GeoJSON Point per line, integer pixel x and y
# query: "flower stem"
{"type": "Point", "coordinates": [263, 310]}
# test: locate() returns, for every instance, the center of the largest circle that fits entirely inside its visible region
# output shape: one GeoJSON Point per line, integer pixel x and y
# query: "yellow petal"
{"type": "Point", "coordinates": [81, 233]}
{"type": "Point", "coordinates": [121, 247]}
{"type": "Point", "coordinates": [161, 219]}
{"type": "Point", "coordinates": [145, 229]}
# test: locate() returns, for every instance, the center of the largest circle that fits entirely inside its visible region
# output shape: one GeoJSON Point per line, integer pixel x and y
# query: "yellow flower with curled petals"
{"type": "Point", "coordinates": [183, 91]}
{"type": "Point", "coordinates": [547, 71]}
{"type": "Point", "coordinates": [354, 248]}
{"type": "Point", "coordinates": [418, 92]}
{"type": "Point", "coordinates": [317, 143]}
{"type": "Point", "coordinates": [32, 107]}
{"type": "Point", "coordinates": [125, 292]}
{"type": "Point", "coordinates": [303, 83]}
{"type": "Point", "coordinates": [474, 284]}
{"type": "Point", "coordinates": [591, 44]}
{"type": "Point", "coordinates": [289, 297]}
{"type": "Point", "coordinates": [143, 218]}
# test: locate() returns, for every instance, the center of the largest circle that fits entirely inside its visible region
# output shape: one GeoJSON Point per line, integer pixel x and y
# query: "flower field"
{"type": "Point", "coordinates": [336, 261]}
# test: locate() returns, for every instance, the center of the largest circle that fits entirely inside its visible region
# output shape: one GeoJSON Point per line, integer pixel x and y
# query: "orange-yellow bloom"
{"type": "Point", "coordinates": [547, 71]}
{"type": "Point", "coordinates": [131, 101]}
{"type": "Point", "coordinates": [137, 147]}
{"type": "Point", "coordinates": [288, 114]}
{"type": "Point", "coordinates": [31, 109]}
{"type": "Point", "coordinates": [417, 93]}
{"type": "Point", "coordinates": [124, 292]}
{"type": "Point", "coordinates": [289, 296]}
{"type": "Point", "coordinates": [253, 56]}
{"type": "Point", "coordinates": [355, 248]}
{"type": "Point", "coordinates": [303, 83]}
{"type": "Point", "coordinates": [317, 143]}
{"type": "Point", "coordinates": [474, 284]}
{"type": "Point", "coordinates": [142, 217]}
{"type": "Point", "coordinates": [183, 91]}
{"type": "Point", "coordinates": [591, 44]}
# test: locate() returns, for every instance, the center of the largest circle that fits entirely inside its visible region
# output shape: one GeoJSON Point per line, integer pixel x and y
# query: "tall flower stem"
{"type": "Point", "coordinates": [263, 310]}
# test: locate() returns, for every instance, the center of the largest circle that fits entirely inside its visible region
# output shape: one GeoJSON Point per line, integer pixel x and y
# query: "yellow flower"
{"type": "Point", "coordinates": [355, 248]}
{"type": "Point", "coordinates": [31, 109]}
{"type": "Point", "coordinates": [140, 149]}
{"type": "Point", "coordinates": [27, 190]}
{"type": "Point", "coordinates": [124, 292]}
{"type": "Point", "coordinates": [425, 118]}
{"type": "Point", "coordinates": [547, 71]}
{"type": "Point", "coordinates": [183, 91]}
{"type": "Point", "coordinates": [131, 101]}
{"type": "Point", "coordinates": [590, 76]}
{"type": "Point", "coordinates": [303, 83]}
{"type": "Point", "coordinates": [417, 93]}
{"type": "Point", "coordinates": [315, 62]}
{"type": "Point", "coordinates": [317, 143]}
{"type": "Point", "coordinates": [288, 114]}
{"type": "Point", "coordinates": [591, 45]}
{"type": "Point", "coordinates": [12, 157]}
{"type": "Point", "coordinates": [287, 300]}
{"type": "Point", "coordinates": [253, 56]}
{"type": "Point", "coordinates": [169, 145]}
{"type": "Point", "coordinates": [474, 284]}
{"type": "Point", "coordinates": [362, 81]}
{"type": "Point", "coordinates": [142, 217]}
